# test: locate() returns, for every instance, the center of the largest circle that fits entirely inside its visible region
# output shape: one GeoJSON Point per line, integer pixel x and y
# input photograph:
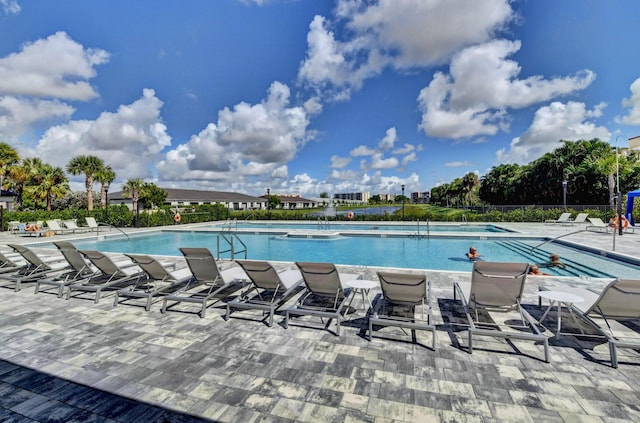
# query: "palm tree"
{"type": "Point", "coordinates": [52, 183]}
{"type": "Point", "coordinates": [132, 188]}
{"type": "Point", "coordinates": [89, 165]}
{"type": "Point", "coordinates": [22, 176]}
{"type": "Point", "coordinates": [8, 157]}
{"type": "Point", "coordinates": [469, 182]}
{"type": "Point", "coordinates": [105, 176]}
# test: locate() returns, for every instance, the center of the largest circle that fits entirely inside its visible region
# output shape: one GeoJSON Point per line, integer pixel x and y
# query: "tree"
{"type": "Point", "coordinates": [132, 189]}
{"type": "Point", "coordinates": [89, 165]}
{"type": "Point", "coordinates": [324, 195]}
{"type": "Point", "coordinates": [469, 182]}
{"type": "Point", "coordinates": [21, 174]}
{"type": "Point", "coordinates": [8, 157]}
{"type": "Point", "coordinates": [51, 183]}
{"type": "Point", "coordinates": [104, 176]}
{"type": "Point", "coordinates": [152, 196]}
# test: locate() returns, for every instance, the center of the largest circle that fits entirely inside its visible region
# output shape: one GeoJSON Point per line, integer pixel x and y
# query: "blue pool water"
{"type": "Point", "coordinates": [414, 227]}
{"type": "Point", "coordinates": [402, 252]}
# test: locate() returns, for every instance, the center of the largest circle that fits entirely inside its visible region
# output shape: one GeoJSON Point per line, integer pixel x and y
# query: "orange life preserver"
{"type": "Point", "coordinates": [614, 222]}
{"type": "Point", "coordinates": [177, 218]}
{"type": "Point", "coordinates": [350, 215]}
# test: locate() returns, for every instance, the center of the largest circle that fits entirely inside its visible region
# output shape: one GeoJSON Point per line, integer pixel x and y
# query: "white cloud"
{"type": "Point", "coordinates": [362, 150]}
{"type": "Point", "coordinates": [55, 67]}
{"type": "Point", "coordinates": [10, 7]}
{"type": "Point", "coordinates": [247, 141]}
{"type": "Point", "coordinates": [338, 162]}
{"type": "Point", "coordinates": [129, 140]}
{"type": "Point", "coordinates": [389, 139]}
{"type": "Point", "coordinates": [464, 163]}
{"type": "Point", "coordinates": [482, 85]}
{"type": "Point", "coordinates": [633, 102]}
{"type": "Point", "coordinates": [569, 121]}
{"type": "Point", "coordinates": [18, 115]}
{"type": "Point", "coordinates": [402, 34]}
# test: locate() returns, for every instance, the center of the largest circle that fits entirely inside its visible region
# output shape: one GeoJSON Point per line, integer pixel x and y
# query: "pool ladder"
{"type": "Point", "coordinates": [323, 224]}
{"type": "Point", "coordinates": [230, 239]}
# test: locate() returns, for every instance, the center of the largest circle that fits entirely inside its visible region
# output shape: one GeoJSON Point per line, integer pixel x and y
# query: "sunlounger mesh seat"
{"type": "Point", "coordinates": [208, 282]}
{"type": "Point", "coordinates": [158, 283]}
{"type": "Point", "coordinates": [324, 295]}
{"type": "Point", "coordinates": [618, 301]}
{"type": "Point", "coordinates": [402, 294]}
{"type": "Point", "coordinates": [34, 269]}
{"type": "Point", "coordinates": [268, 290]}
{"type": "Point", "coordinates": [79, 269]}
{"type": "Point", "coordinates": [498, 287]}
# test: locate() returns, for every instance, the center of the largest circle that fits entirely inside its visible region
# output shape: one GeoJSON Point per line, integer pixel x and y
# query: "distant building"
{"type": "Point", "coordinates": [420, 197]}
{"type": "Point", "coordinates": [189, 197]}
{"type": "Point", "coordinates": [634, 143]}
{"type": "Point", "coordinates": [353, 197]}
{"type": "Point", "coordinates": [294, 202]}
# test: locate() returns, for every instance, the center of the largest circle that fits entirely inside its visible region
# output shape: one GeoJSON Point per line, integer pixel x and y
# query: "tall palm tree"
{"type": "Point", "coordinates": [52, 183]}
{"type": "Point", "coordinates": [8, 157]}
{"type": "Point", "coordinates": [23, 175]}
{"type": "Point", "coordinates": [89, 165]}
{"type": "Point", "coordinates": [469, 182]}
{"type": "Point", "coordinates": [132, 189]}
{"type": "Point", "coordinates": [105, 176]}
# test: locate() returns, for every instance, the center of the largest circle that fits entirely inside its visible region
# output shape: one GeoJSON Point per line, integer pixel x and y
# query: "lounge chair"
{"type": "Point", "coordinates": [79, 270]}
{"type": "Point", "coordinates": [402, 294]}
{"type": "Point", "coordinates": [597, 225]}
{"type": "Point", "coordinates": [204, 268]}
{"type": "Point", "coordinates": [54, 225]}
{"type": "Point", "coordinates": [109, 277]}
{"type": "Point", "coordinates": [9, 265]}
{"type": "Point", "coordinates": [580, 218]}
{"type": "Point", "coordinates": [159, 281]}
{"type": "Point", "coordinates": [564, 218]}
{"type": "Point", "coordinates": [268, 290]}
{"type": "Point", "coordinates": [34, 269]}
{"type": "Point", "coordinates": [324, 294]}
{"type": "Point", "coordinates": [23, 231]}
{"type": "Point", "coordinates": [73, 226]}
{"type": "Point", "coordinates": [92, 224]}
{"type": "Point", "coordinates": [618, 301]}
{"type": "Point", "coordinates": [497, 287]}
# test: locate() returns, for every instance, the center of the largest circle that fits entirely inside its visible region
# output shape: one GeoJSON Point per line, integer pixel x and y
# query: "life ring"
{"type": "Point", "coordinates": [177, 218]}
{"type": "Point", "coordinates": [350, 215]}
{"type": "Point", "coordinates": [614, 222]}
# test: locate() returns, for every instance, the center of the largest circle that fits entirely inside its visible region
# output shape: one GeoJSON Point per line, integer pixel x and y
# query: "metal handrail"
{"type": "Point", "coordinates": [115, 227]}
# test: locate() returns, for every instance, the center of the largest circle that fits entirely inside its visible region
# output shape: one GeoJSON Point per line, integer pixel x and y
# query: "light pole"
{"type": "Point", "coordinates": [564, 194]}
{"type": "Point", "coordinates": [269, 203]}
{"type": "Point", "coordinates": [106, 202]}
{"type": "Point", "coordinates": [402, 186]}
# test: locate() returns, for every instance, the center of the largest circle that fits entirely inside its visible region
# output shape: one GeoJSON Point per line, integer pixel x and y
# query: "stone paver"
{"type": "Point", "coordinates": [72, 360]}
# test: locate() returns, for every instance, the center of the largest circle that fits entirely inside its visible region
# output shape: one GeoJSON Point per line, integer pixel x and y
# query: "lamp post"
{"type": "Point", "coordinates": [402, 186]}
{"type": "Point", "coordinates": [269, 203]}
{"type": "Point", "coordinates": [564, 194]}
{"type": "Point", "coordinates": [106, 202]}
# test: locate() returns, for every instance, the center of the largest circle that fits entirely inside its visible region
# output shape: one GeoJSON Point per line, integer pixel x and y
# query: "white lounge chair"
{"type": "Point", "coordinates": [597, 225]}
{"type": "Point", "coordinates": [92, 223]}
{"type": "Point", "coordinates": [580, 218]}
{"type": "Point", "coordinates": [54, 225]}
{"type": "Point", "coordinates": [73, 226]}
{"type": "Point", "coordinates": [564, 218]}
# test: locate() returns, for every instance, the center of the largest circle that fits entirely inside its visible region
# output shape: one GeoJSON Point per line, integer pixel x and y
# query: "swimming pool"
{"type": "Point", "coordinates": [412, 227]}
{"type": "Point", "coordinates": [441, 253]}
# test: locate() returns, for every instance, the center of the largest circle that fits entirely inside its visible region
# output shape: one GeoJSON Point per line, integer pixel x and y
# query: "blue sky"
{"type": "Point", "coordinates": [308, 96]}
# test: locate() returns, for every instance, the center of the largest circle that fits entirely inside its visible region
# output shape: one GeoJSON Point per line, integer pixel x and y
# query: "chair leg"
{"type": "Point", "coordinates": [148, 307]}
{"type": "Point", "coordinates": [470, 342]}
{"type": "Point", "coordinates": [614, 355]}
{"type": "Point", "coordinates": [97, 299]}
{"type": "Point", "coordinates": [115, 299]}
{"type": "Point", "coordinates": [226, 316]}
{"type": "Point", "coordinates": [286, 320]}
{"type": "Point", "coordinates": [164, 306]}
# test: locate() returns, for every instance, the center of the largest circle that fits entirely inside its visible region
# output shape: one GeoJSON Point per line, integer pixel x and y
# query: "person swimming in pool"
{"type": "Point", "coordinates": [535, 270]}
{"type": "Point", "coordinates": [473, 254]}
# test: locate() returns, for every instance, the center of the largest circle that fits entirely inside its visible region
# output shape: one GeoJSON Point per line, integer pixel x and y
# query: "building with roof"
{"type": "Point", "coordinates": [190, 197]}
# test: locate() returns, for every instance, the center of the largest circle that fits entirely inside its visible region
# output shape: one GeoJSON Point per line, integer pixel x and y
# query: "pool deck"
{"type": "Point", "coordinates": [73, 360]}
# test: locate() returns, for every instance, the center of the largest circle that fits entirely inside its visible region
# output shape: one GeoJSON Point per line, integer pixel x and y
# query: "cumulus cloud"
{"type": "Point", "coordinates": [633, 103]}
{"type": "Point", "coordinates": [401, 34]}
{"type": "Point", "coordinates": [129, 139]}
{"type": "Point", "coordinates": [55, 67]}
{"type": "Point", "coordinates": [10, 7]}
{"type": "Point", "coordinates": [464, 163]}
{"type": "Point", "coordinates": [247, 141]}
{"type": "Point", "coordinates": [338, 162]}
{"type": "Point", "coordinates": [569, 121]}
{"type": "Point", "coordinates": [35, 82]}
{"type": "Point", "coordinates": [482, 84]}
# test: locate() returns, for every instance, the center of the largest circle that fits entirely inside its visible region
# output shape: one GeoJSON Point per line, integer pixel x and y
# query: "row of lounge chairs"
{"type": "Point", "coordinates": [55, 227]}
{"type": "Point", "coordinates": [595, 223]}
{"type": "Point", "coordinates": [322, 291]}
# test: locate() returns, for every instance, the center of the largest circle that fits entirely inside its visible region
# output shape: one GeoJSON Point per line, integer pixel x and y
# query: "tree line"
{"type": "Point", "coordinates": [592, 170]}
{"type": "Point", "coordinates": [39, 185]}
